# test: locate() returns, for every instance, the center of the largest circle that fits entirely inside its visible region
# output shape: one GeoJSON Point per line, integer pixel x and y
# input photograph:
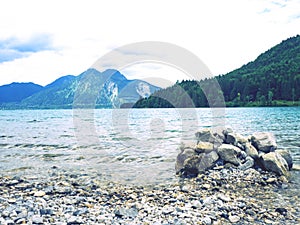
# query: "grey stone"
{"type": "Point", "coordinates": [229, 153]}
{"type": "Point", "coordinates": [9, 222]}
{"type": "Point", "coordinates": [74, 220]}
{"type": "Point", "coordinates": [36, 219]}
{"type": "Point", "coordinates": [224, 197]}
{"type": "Point", "coordinates": [251, 151]}
{"type": "Point", "coordinates": [227, 130]}
{"type": "Point", "coordinates": [243, 155]}
{"type": "Point", "coordinates": [264, 141]}
{"type": "Point", "coordinates": [46, 212]}
{"type": "Point", "coordinates": [196, 204]}
{"type": "Point", "coordinates": [182, 157]}
{"type": "Point", "coordinates": [207, 220]}
{"type": "Point", "coordinates": [207, 161]}
{"type": "Point", "coordinates": [234, 219]}
{"type": "Point", "coordinates": [274, 162]}
{"type": "Point", "coordinates": [247, 164]}
{"type": "Point", "coordinates": [191, 165]}
{"type": "Point", "coordinates": [80, 212]}
{"type": "Point", "coordinates": [124, 212]}
{"type": "Point", "coordinates": [236, 139]}
{"type": "Point", "coordinates": [206, 135]}
{"type": "Point", "coordinates": [204, 147]}
{"type": "Point", "coordinates": [287, 156]}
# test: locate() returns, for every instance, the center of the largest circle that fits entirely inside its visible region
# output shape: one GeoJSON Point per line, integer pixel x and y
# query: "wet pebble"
{"type": "Point", "coordinates": [215, 197]}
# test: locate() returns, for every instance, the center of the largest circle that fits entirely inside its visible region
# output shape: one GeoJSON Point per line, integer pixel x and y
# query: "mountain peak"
{"type": "Point", "coordinates": [115, 75]}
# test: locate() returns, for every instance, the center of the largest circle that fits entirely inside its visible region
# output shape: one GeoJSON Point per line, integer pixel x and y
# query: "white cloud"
{"type": "Point", "coordinates": [224, 34]}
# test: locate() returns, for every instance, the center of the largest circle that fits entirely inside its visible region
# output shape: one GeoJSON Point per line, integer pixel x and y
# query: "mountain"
{"type": "Point", "coordinates": [91, 88]}
{"type": "Point", "coordinates": [16, 92]}
{"type": "Point", "coordinates": [273, 79]}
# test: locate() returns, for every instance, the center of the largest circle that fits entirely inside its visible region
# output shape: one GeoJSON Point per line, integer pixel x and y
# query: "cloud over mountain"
{"type": "Point", "coordinates": [15, 47]}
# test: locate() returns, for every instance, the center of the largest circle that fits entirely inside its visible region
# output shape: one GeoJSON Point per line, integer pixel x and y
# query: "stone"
{"type": "Point", "coordinates": [229, 153]}
{"type": "Point", "coordinates": [236, 139]}
{"type": "Point", "coordinates": [242, 155]}
{"type": "Point", "coordinates": [46, 212]}
{"type": "Point", "coordinates": [287, 156]}
{"type": "Point", "coordinates": [196, 204]}
{"type": "Point", "coordinates": [191, 166]}
{"type": "Point", "coordinates": [227, 130]}
{"type": "Point", "coordinates": [9, 222]}
{"type": "Point", "coordinates": [219, 135]}
{"type": "Point", "coordinates": [271, 180]}
{"type": "Point", "coordinates": [206, 186]}
{"type": "Point", "coordinates": [39, 194]}
{"type": "Point", "coordinates": [74, 220]}
{"type": "Point", "coordinates": [268, 221]}
{"type": "Point", "coordinates": [182, 157]}
{"type": "Point", "coordinates": [274, 162]}
{"type": "Point", "coordinates": [124, 212]}
{"type": "Point", "coordinates": [282, 211]}
{"type": "Point", "coordinates": [11, 200]}
{"type": "Point", "coordinates": [206, 135]}
{"type": "Point", "coordinates": [207, 161]}
{"type": "Point", "coordinates": [296, 167]}
{"type": "Point", "coordinates": [224, 198]}
{"type": "Point", "coordinates": [234, 219]}
{"type": "Point", "coordinates": [202, 147]}
{"type": "Point", "coordinates": [264, 141]}
{"type": "Point", "coordinates": [207, 220]}
{"type": "Point", "coordinates": [251, 151]}
{"type": "Point", "coordinates": [36, 219]}
{"type": "Point", "coordinates": [249, 163]}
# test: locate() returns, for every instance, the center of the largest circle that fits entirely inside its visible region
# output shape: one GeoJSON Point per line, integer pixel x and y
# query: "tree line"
{"type": "Point", "coordinates": [273, 79]}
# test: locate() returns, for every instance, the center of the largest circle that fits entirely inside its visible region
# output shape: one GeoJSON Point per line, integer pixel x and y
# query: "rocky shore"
{"type": "Point", "coordinates": [217, 196]}
{"type": "Point", "coordinates": [229, 149]}
{"type": "Point", "coordinates": [223, 179]}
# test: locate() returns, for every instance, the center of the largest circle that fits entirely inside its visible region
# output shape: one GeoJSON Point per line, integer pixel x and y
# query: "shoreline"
{"type": "Point", "coordinates": [227, 196]}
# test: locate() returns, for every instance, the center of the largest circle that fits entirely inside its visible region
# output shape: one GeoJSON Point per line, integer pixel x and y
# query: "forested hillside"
{"type": "Point", "coordinates": [273, 79]}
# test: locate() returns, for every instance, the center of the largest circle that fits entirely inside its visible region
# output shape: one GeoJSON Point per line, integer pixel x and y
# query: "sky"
{"type": "Point", "coordinates": [41, 41]}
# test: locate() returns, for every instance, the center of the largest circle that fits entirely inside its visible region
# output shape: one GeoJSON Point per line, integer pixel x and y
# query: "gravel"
{"type": "Point", "coordinates": [220, 196]}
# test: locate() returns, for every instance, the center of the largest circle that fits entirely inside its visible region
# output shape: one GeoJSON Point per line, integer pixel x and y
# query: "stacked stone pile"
{"type": "Point", "coordinates": [230, 149]}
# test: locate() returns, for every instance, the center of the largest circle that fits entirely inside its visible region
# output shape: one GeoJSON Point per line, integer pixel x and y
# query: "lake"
{"type": "Point", "coordinates": [128, 145]}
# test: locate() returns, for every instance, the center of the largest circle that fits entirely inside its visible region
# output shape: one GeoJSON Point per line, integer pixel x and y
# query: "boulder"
{"type": "Point", "coordinates": [227, 149]}
{"type": "Point", "coordinates": [219, 134]}
{"type": "Point", "coordinates": [190, 166]}
{"type": "Point", "coordinates": [229, 153]}
{"type": "Point", "coordinates": [236, 139]}
{"type": "Point", "coordinates": [182, 157]}
{"type": "Point", "coordinates": [206, 135]}
{"type": "Point", "coordinates": [227, 131]}
{"type": "Point", "coordinates": [264, 141]}
{"type": "Point", "coordinates": [251, 151]}
{"type": "Point", "coordinates": [287, 156]}
{"type": "Point", "coordinates": [274, 162]}
{"type": "Point", "coordinates": [204, 147]}
{"type": "Point", "coordinates": [208, 161]}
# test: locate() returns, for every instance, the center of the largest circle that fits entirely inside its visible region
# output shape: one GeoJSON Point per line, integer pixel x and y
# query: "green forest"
{"type": "Point", "coordinates": [273, 79]}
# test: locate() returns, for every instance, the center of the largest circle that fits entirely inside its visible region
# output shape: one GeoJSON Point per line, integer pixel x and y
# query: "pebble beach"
{"type": "Point", "coordinates": [218, 196]}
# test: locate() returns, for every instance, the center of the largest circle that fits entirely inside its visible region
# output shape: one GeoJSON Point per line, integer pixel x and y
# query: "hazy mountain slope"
{"type": "Point", "coordinates": [16, 92]}
{"type": "Point", "coordinates": [89, 89]}
{"type": "Point", "coordinates": [272, 79]}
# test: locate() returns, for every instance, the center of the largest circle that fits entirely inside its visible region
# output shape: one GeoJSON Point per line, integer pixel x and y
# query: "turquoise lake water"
{"type": "Point", "coordinates": [138, 145]}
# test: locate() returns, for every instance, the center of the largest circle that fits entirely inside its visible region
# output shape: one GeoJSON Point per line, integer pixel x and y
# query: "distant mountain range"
{"type": "Point", "coordinates": [273, 79]}
{"type": "Point", "coordinates": [92, 88]}
{"type": "Point", "coordinates": [16, 92]}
